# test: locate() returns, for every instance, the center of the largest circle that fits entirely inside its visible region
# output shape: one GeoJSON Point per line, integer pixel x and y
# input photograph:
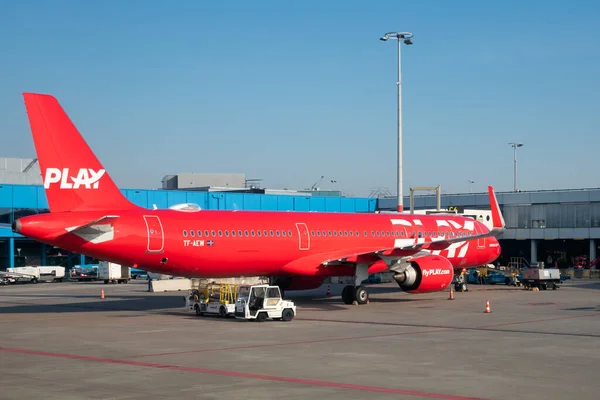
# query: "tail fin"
{"type": "Point", "coordinates": [498, 225]}
{"type": "Point", "coordinates": [73, 177]}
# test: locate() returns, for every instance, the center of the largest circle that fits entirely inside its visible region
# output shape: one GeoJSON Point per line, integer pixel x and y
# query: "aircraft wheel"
{"type": "Point", "coordinates": [348, 294]}
{"type": "Point", "coordinates": [361, 295]}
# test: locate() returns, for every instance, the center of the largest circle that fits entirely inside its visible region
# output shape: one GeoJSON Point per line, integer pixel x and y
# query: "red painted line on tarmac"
{"type": "Point", "coordinates": [242, 375]}
{"type": "Point", "coordinates": [540, 320]}
{"type": "Point", "coordinates": [256, 346]}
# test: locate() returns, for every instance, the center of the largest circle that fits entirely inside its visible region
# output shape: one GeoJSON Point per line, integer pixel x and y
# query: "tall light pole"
{"type": "Point", "coordinates": [471, 182]}
{"type": "Point", "coordinates": [514, 145]}
{"type": "Point", "coordinates": [400, 37]}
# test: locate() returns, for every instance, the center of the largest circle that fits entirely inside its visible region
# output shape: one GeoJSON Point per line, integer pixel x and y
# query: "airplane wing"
{"type": "Point", "coordinates": [401, 246]}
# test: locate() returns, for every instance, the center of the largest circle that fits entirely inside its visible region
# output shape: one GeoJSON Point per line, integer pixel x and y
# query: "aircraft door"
{"type": "Point", "coordinates": [156, 237]}
{"type": "Point", "coordinates": [303, 237]}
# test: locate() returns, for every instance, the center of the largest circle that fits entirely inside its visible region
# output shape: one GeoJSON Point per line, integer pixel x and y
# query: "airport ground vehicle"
{"type": "Point", "coordinates": [115, 273]}
{"type": "Point", "coordinates": [541, 278]}
{"type": "Point", "coordinates": [262, 302]}
{"type": "Point", "coordinates": [214, 298]}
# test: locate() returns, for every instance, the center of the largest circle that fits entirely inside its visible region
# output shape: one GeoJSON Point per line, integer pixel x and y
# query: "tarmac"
{"type": "Point", "coordinates": [62, 341]}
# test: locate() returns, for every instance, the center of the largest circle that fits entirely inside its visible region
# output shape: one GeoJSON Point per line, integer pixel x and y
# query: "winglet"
{"type": "Point", "coordinates": [497, 219]}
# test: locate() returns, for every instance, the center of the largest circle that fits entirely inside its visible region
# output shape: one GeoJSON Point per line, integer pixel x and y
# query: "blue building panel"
{"type": "Point", "coordinates": [216, 201]}
{"type": "Point", "coordinates": [268, 202]}
{"type": "Point", "coordinates": [317, 204]}
{"type": "Point", "coordinates": [25, 196]}
{"type": "Point", "coordinates": [138, 197]}
{"type": "Point", "coordinates": [6, 196]}
{"type": "Point", "coordinates": [251, 202]}
{"type": "Point", "coordinates": [176, 197]}
{"type": "Point", "coordinates": [347, 205]}
{"type": "Point", "coordinates": [200, 198]}
{"type": "Point", "coordinates": [332, 204]}
{"type": "Point", "coordinates": [158, 198]}
{"type": "Point", "coordinates": [234, 201]}
{"type": "Point", "coordinates": [301, 203]}
{"type": "Point", "coordinates": [42, 201]}
{"type": "Point", "coordinates": [285, 203]}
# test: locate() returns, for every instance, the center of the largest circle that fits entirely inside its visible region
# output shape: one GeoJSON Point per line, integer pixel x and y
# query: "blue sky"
{"type": "Point", "coordinates": [288, 91]}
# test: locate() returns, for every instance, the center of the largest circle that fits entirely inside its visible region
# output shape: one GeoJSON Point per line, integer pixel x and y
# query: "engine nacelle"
{"type": "Point", "coordinates": [426, 274]}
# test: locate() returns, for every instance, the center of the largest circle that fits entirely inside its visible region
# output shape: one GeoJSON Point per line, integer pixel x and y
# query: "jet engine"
{"type": "Point", "coordinates": [425, 274]}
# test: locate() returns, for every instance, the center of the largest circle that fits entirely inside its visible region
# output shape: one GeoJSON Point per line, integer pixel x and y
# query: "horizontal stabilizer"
{"type": "Point", "coordinates": [97, 231]}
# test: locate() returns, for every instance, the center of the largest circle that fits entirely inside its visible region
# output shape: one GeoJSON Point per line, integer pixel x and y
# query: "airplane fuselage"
{"type": "Point", "coordinates": [210, 243]}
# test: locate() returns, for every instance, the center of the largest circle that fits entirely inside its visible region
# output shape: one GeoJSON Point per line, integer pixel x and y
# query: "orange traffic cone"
{"type": "Point", "coordinates": [102, 294]}
{"type": "Point", "coordinates": [328, 291]}
{"type": "Point", "coordinates": [451, 294]}
{"type": "Point", "coordinates": [487, 307]}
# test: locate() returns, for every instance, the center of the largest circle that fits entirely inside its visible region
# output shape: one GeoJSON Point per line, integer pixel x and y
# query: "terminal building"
{"type": "Point", "coordinates": [22, 194]}
{"type": "Point", "coordinates": [556, 227]}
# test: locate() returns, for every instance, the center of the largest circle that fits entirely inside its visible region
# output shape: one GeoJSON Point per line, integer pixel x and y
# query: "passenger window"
{"type": "Point", "coordinates": [192, 233]}
{"type": "Point", "coordinates": [240, 232]}
{"type": "Point", "coordinates": [272, 233]}
{"type": "Point", "coordinates": [365, 232]}
{"type": "Point", "coordinates": [205, 233]}
{"type": "Point", "coordinates": [213, 233]}
{"type": "Point", "coordinates": [247, 233]}
{"type": "Point", "coordinates": [265, 233]}
{"type": "Point", "coordinates": [220, 233]}
{"type": "Point", "coordinates": [232, 232]}
{"type": "Point", "coordinates": [258, 232]}
{"type": "Point", "coordinates": [199, 233]}
{"type": "Point", "coordinates": [283, 233]}
{"type": "Point", "coordinates": [318, 233]}
{"type": "Point", "coordinates": [227, 233]}
{"type": "Point", "coordinates": [277, 233]}
{"type": "Point", "coordinates": [289, 233]}
{"type": "Point", "coordinates": [312, 233]}
{"type": "Point", "coordinates": [184, 233]}
{"type": "Point", "coordinates": [334, 233]}
{"type": "Point", "coordinates": [329, 232]}
{"type": "Point", "coordinates": [252, 232]}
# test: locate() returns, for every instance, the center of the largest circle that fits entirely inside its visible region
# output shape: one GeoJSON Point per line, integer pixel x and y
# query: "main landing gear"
{"type": "Point", "coordinates": [356, 292]}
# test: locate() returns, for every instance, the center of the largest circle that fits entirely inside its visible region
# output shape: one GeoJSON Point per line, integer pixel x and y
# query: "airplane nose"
{"type": "Point", "coordinates": [16, 226]}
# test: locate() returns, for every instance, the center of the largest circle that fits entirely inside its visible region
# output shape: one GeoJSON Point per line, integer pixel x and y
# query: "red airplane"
{"type": "Point", "coordinates": [296, 250]}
